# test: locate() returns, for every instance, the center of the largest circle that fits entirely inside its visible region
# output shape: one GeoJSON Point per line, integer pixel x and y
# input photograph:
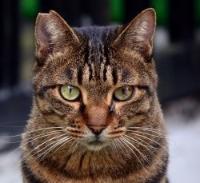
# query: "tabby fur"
{"type": "Point", "coordinates": [55, 145]}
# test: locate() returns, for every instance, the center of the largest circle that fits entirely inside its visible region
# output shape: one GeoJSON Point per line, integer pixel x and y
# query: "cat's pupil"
{"type": "Point", "coordinates": [70, 90]}
{"type": "Point", "coordinates": [125, 91]}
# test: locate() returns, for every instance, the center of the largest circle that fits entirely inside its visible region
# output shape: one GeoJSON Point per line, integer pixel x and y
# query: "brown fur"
{"type": "Point", "coordinates": [98, 60]}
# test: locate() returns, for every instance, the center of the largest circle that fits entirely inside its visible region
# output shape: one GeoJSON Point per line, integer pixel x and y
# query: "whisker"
{"type": "Point", "coordinates": [36, 137]}
{"type": "Point", "coordinates": [139, 152]}
{"type": "Point", "coordinates": [48, 142]}
{"type": "Point", "coordinates": [145, 142]}
{"type": "Point", "coordinates": [144, 158]}
{"type": "Point", "coordinates": [121, 146]}
{"type": "Point", "coordinates": [30, 139]}
{"type": "Point", "coordinates": [64, 143]}
{"type": "Point", "coordinates": [156, 131]}
{"type": "Point", "coordinates": [145, 137]}
{"type": "Point", "coordinates": [114, 146]}
{"type": "Point", "coordinates": [40, 129]}
{"type": "Point", "coordinates": [141, 144]}
{"type": "Point", "coordinates": [129, 145]}
{"type": "Point", "coordinates": [74, 145]}
{"type": "Point", "coordinates": [55, 145]}
{"type": "Point", "coordinates": [125, 144]}
{"type": "Point", "coordinates": [49, 128]}
{"type": "Point", "coordinates": [144, 132]}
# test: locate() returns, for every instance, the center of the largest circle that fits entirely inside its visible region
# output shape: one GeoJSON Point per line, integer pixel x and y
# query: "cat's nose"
{"type": "Point", "coordinates": [96, 130]}
{"type": "Point", "coordinates": [97, 118]}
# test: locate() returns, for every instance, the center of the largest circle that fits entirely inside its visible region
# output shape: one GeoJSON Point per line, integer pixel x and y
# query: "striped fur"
{"type": "Point", "coordinates": [58, 144]}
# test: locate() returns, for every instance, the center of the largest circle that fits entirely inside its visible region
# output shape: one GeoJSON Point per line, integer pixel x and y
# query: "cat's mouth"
{"type": "Point", "coordinates": [96, 144]}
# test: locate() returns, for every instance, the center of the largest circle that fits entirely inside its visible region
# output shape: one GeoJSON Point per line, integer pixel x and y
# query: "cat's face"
{"type": "Point", "coordinates": [98, 82]}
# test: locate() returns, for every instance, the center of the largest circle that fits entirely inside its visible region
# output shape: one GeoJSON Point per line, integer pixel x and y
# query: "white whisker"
{"type": "Point", "coordinates": [145, 132]}
{"type": "Point", "coordinates": [48, 142]}
{"type": "Point", "coordinates": [129, 145]}
{"type": "Point", "coordinates": [147, 138]}
{"type": "Point", "coordinates": [156, 131]}
{"type": "Point", "coordinates": [54, 146]}
{"type": "Point", "coordinates": [32, 131]}
{"type": "Point", "coordinates": [136, 149]}
{"type": "Point", "coordinates": [140, 143]}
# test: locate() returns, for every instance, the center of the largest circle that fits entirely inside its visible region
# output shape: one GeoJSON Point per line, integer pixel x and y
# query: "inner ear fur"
{"type": "Point", "coordinates": [52, 33]}
{"type": "Point", "coordinates": [138, 34]}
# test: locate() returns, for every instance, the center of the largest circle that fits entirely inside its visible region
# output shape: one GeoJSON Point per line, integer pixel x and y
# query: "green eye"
{"type": "Point", "coordinates": [123, 93]}
{"type": "Point", "coordinates": [69, 92]}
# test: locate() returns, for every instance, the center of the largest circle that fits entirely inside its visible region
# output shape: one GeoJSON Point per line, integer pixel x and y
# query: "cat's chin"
{"type": "Point", "coordinates": [95, 145]}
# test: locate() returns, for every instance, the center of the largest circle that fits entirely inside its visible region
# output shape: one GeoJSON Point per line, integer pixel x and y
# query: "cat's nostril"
{"type": "Point", "coordinates": [96, 130]}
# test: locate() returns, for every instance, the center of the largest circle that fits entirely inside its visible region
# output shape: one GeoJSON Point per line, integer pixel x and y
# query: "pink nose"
{"type": "Point", "coordinates": [97, 119]}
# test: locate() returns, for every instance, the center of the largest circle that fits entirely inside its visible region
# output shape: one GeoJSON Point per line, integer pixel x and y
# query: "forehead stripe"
{"type": "Point", "coordinates": [87, 59]}
{"type": "Point", "coordinates": [80, 75]}
{"type": "Point", "coordinates": [90, 71]}
{"type": "Point", "coordinates": [114, 75]}
{"type": "Point", "coordinates": [69, 73]}
{"type": "Point", "coordinates": [107, 62]}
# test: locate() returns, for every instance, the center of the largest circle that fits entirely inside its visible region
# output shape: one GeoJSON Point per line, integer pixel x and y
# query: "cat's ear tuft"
{"type": "Point", "coordinates": [52, 33]}
{"type": "Point", "coordinates": [139, 33]}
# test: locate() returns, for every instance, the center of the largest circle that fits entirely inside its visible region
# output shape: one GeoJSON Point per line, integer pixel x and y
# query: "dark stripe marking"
{"type": "Point", "coordinates": [160, 174]}
{"type": "Point", "coordinates": [101, 53]}
{"type": "Point", "coordinates": [81, 160]}
{"type": "Point", "coordinates": [80, 75]}
{"type": "Point", "coordinates": [44, 89]}
{"type": "Point", "coordinates": [106, 54]}
{"type": "Point", "coordinates": [90, 71]}
{"type": "Point", "coordinates": [65, 162]}
{"type": "Point", "coordinates": [104, 72]}
{"type": "Point", "coordinates": [147, 88]}
{"type": "Point", "coordinates": [30, 177]}
{"type": "Point", "coordinates": [114, 75]}
{"type": "Point", "coordinates": [69, 73]}
{"type": "Point", "coordinates": [125, 75]}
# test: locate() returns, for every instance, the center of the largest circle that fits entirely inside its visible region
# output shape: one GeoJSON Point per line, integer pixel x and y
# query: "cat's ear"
{"type": "Point", "coordinates": [52, 33]}
{"type": "Point", "coordinates": [139, 33]}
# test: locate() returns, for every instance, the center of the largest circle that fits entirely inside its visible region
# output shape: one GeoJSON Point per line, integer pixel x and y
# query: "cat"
{"type": "Point", "coordinates": [96, 115]}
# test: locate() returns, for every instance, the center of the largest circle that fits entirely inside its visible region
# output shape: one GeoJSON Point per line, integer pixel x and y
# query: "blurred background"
{"type": "Point", "coordinates": [177, 54]}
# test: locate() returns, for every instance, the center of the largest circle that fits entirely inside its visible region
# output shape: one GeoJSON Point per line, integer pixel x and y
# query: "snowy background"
{"type": "Point", "coordinates": [183, 121]}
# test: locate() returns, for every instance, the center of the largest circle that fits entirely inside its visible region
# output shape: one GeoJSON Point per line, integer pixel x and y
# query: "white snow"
{"type": "Point", "coordinates": [184, 142]}
{"type": "Point", "coordinates": [10, 168]}
{"type": "Point", "coordinates": [184, 164]}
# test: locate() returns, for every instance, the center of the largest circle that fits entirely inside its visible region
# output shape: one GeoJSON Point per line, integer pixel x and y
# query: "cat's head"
{"type": "Point", "coordinates": [95, 82]}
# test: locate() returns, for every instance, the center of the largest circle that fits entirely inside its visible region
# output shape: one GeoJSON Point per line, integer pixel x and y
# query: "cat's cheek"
{"type": "Point", "coordinates": [51, 114]}
{"type": "Point", "coordinates": [46, 108]}
{"type": "Point", "coordinates": [135, 113]}
{"type": "Point", "coordinates": [43, 105]}
{"type": "Point", "coordinates": [144, 107]}
{"type": "Point", "coordinates": [55, 119]}
{"type": "Point", "coordinates": [55, 112]}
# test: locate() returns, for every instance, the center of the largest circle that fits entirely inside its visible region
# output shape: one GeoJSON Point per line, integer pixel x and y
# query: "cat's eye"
{"type": "Point", "coordinates": [69, 92]}
{"type": "Point", "coordinates": [123, 93]}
